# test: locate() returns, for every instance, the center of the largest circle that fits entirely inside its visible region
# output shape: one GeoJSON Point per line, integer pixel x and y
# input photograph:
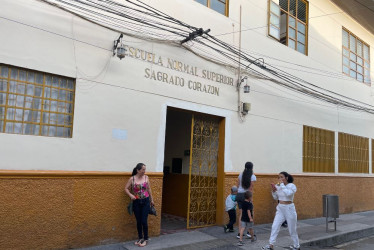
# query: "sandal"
{"type": "Point", "coordinates": [143, 243]}
{"type": "Point", "coordinates": [138, 242]}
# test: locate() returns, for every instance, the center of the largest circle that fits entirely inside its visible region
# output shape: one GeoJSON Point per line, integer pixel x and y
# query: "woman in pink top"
{"type": "Point", "coordinates": [142, 199]}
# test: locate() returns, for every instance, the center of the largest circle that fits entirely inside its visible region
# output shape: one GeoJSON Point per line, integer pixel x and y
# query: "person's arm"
{"type": "Point", "coordinates": [150, 191]}
{"type": "Point", "coordinates": [249, 215]}
{"type": "Point", "coordinates": [251, 186]}
{"type": "Point", "coordinates": [274, 192]}
{"type": "Point", "coordinates": [127, 190]}
{"type": "Point", "coordinates": [253, 180]}
{"type": "Point", "coordinates": [289, 189]}
{"type": "Point", "coordinates": [240, 215]}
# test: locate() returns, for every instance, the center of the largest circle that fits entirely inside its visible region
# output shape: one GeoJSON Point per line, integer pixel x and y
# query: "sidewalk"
{"type": "Point", "coordinates": [312, 234]}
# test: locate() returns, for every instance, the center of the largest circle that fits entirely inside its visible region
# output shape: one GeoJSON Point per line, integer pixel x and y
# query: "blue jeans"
{"type": "Point", "coordinates": [141, 209]}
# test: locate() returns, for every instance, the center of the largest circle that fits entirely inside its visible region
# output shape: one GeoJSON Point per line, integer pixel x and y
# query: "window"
{"type": "Point", "coordinates": [221, 6]}
{"type": "Point", "coordinates": [288, 23]}
{"type": "Point", "coordinates": [318, 150]}
{"type": "Point", "coordinates": [353, 154]}
{"type": "Point", "coordinates": [35, 103]}
{"type": "Point", "coordinates": [356, 57]}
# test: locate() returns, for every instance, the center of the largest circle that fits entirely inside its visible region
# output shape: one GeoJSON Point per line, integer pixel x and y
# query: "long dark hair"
{"type": "Point", "coordinates": [137, 168]}
{"type": "Point", "coordinates": [289, 177]}
{"type": "Point", "coordinates": [247, 174]}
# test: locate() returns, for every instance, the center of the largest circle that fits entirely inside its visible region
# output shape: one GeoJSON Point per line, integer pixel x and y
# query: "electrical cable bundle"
{"type": "Point", "coordinates": [140, 20]}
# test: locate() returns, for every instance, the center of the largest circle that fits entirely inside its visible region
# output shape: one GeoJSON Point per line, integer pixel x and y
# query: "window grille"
{"type": "Point", "coordinates": [356, 57]}
{"type": "Point", "coordinates": [318, 150]}
{"type": "Point", "coordinates": [35, 103]}
{"type": "Point", "coordinates": [353, 154]}
{"type": "Point", "coordinates": [221, 6]}
{"type": "Point", "coordinates": [288, 23]}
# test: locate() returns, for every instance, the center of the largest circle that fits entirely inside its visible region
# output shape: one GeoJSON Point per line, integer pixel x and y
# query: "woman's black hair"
{"type": "Point", "coordinates": [288, 176]}
{"type": "Point", "coordinates": [247, 174]}
{"type": "Point", "coordinates": [138, 167]}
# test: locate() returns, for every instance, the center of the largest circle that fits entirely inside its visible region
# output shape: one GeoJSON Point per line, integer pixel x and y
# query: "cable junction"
{"type": "Point", "coordinates": [195, 34]}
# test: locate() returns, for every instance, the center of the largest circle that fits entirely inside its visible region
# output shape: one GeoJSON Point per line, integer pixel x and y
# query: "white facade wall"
{"type": "Point", "coordinates": [114, 94]}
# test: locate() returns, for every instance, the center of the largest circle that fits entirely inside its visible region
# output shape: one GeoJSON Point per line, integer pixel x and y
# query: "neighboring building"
{"type": "Point", "coordinates": [75, 120]}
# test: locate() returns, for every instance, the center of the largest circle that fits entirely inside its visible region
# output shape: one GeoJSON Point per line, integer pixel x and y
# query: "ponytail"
{"type": "Point", "coordinates": [247, 175]}
{"type": "Point", "coordinates": [137, 168]}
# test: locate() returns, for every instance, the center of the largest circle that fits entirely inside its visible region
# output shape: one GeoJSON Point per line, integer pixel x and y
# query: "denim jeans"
{"type": "Point", "coordinates": [141, 209]}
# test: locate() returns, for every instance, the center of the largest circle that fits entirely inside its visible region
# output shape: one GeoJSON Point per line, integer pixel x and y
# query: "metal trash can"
{"type": "Point", "coordinates": [330, 208]}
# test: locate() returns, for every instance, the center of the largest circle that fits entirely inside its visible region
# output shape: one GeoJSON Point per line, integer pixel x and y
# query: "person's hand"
{"type": "Point", "coordinates": [273, 188]}
{"type": "Point", "coordinates": [132, 197]}
{"type": "Point", "coordinates": [152, 203]}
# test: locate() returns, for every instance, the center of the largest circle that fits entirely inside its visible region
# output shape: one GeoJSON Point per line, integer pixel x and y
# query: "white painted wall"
{"type": "Point", "coordinates": [115, 94]}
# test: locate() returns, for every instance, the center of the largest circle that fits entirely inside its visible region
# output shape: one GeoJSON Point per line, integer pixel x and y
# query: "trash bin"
{"type": "Point", "coordinates": [330, 205]}
{"type": "Point", "coordinates": [330, 208]}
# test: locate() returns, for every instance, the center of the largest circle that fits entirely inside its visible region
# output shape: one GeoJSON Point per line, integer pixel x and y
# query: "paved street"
{"type": "Point", "coordinates": [366, 243]}
{"type": "Point", "coordinates": [312, 234]}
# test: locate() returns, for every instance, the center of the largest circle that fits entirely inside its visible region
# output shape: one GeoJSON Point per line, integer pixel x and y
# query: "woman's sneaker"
{"type": "Point", "coordinates": [240, 243]}
{"type": "Point", "coordinates": [247, 234]}
{"type": "Point", "coordinates": [267, 247]}
{"type": "Point", "coordinates": [294, 248]}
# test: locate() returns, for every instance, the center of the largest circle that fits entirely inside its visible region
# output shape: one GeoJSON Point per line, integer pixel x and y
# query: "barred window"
{"type": "Point", "coordinates": [318, 150]}
{"type": "Point", "coordinates": [288, 23]}
{"type": "Point", "coordinates": [356, 57]}
{"type": "Point", "coordinates": [353, 154]}
{"type": "Point", "coordinates": [35, 103]}
{"type": "Point", "coordinates": [221, 6]}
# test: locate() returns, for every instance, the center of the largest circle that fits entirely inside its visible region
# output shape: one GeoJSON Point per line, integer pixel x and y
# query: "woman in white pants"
{"type": "Point", "coordinates": [284, 191]}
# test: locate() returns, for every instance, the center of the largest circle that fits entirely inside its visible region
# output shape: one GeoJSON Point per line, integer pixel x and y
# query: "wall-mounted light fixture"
{"type": "Point", "coordinates": [119, 47]}
{"type": "Point", "coordinates": [246, 87]}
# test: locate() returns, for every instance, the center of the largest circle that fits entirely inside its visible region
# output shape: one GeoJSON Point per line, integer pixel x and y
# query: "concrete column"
{"type": "Point", "coordinates": [370, 157]}
{"type": "Point", "coordinates": [336, 152]}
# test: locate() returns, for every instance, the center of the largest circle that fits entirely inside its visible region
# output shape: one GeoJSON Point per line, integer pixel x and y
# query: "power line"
{"type": "Point", "coordinates": [286, 80]}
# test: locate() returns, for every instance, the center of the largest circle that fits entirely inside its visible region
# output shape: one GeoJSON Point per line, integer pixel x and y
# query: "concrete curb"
{"type": "Point", "coordinates": [339, 239]}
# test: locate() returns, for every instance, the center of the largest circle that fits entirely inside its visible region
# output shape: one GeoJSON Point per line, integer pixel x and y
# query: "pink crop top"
{"type": "Point", "coordinates": [141, 190]}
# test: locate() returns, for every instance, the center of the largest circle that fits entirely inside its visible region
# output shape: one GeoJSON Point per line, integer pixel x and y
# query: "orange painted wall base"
{"type": "Point", "coordinates": [49, 210]}
{"type": "Point", "coordinates": [353, 194]}
{"type": "Point", "coordinates": [60, 210]}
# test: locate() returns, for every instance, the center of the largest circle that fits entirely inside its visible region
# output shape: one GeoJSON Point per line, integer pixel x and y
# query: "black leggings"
{"type": "Point", "coordinates": [232, 216]}
{"type": "Point", "coordinates": [141, 210]}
